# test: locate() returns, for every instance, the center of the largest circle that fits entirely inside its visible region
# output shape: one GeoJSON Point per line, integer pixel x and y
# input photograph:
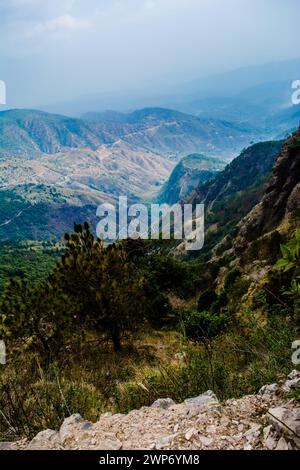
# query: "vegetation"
{"type": "Point", "coordinates": [31, 260]}
{"type": "Point", "coordinates": [112, 328]}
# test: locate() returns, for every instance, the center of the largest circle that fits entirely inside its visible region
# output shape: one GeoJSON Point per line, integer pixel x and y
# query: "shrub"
{"type": "Point", "coordinates": [201, 326]}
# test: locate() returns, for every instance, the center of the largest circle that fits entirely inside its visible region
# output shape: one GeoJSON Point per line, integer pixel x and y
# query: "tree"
{"type": "Point", "coordinates": [37, 317]}
{"type": "Point", "coordinates": [104, 285]}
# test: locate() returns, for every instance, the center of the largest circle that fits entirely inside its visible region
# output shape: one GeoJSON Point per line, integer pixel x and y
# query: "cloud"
{"type": "Point", "coordinates": [150, 5]}
{"type": "Point", "coordinates": [62, 24]}
{"type": "Point", "coordinates": [66, 48]}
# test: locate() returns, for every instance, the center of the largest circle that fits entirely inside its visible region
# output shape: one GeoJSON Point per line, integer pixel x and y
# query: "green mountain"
{"type": "Point", "coordinates": [240, 274]}
{"type": "Point", "coordinates": [234, 191]}
{"type": "Point", "coordinates": [187, 175]}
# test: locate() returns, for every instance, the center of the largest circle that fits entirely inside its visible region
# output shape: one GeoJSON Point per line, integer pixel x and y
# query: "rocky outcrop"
{"type": "Point", "coordinates": [277, 215]}
{"type": "Point", "coordinates": [267, 420]}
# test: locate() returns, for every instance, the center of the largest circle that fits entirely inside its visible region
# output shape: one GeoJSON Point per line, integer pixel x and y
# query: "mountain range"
{"type": "Point", "coordinates": [61, 168]}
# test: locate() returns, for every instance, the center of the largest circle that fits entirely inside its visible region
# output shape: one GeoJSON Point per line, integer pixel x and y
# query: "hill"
{"type": "Point", "coordinates": [234, 191]}
{"type": "Point", "coordinates": [187, 175]}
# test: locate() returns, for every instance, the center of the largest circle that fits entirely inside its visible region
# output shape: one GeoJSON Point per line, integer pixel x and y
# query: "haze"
{"type": "Point", "coordinates": [59, 50]}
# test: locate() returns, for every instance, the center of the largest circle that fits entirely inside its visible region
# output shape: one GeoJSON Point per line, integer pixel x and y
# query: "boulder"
{"type": "Point", "coordinates": [287, 422]}
{"type": "Point", "coordinates": [163, 403]}
{"type": "Point", "coordinates": [67, 429]}
{"type": "Point", "coordinates": [44, 440]}
{"type": "Point", "coordinates": [293, 382]}
{"type": "Point", "coordinates": [269, 390]}
{"type": "Point", "coordinates": [206, 400]}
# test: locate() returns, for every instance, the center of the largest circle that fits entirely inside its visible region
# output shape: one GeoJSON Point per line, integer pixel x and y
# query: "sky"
{"type": "Point", "coordinates": [59, 50]}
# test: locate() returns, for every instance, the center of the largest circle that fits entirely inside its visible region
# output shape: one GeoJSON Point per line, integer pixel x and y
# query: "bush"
{"type": "Point", "coordinates": [201, 326]}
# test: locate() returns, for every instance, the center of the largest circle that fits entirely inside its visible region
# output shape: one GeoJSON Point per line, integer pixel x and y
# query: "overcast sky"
{"type": "Point", "coordinates": [54, 50]}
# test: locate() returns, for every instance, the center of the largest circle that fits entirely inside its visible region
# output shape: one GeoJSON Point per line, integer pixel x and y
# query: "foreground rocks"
{"type": "Point", "coordinates": [267, 420]}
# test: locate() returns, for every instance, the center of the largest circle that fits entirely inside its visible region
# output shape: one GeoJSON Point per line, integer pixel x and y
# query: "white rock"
{"type": "Point", "coordinates": [290, 385]}
{"type": "Point", "coordinates": [206, 441]}
{"type": "Point", "coordinates": [270, 437]}
{"type": "Point", "coordinates": [165, 441]}
{"type": "Point", "coordinates": [67, 429]}
{"type": "Point", "coordinates": [191, 433]}
{"type": "Point", "coordinates": [207, 399]}
{"type": "Point", "coordinates": [163, 403]}
{"type": "Point", "coordinates": [295, 374]}
{"type": "Point", "coordinates": [282, 444]}
{"type": "Point", "coordinates": [211, 429]}
{"type": "Point", "coordinates": [248, 447]}
{"type": "Point", "coordinates": [287, 421]}
{"type": "Point", "coordinates": [269, 389]}
{"type": "Point", "coordinates": [44, 440]}
{"type": "Point", "coordinates": [253, 434]}
{"type": "Point", "coordinates": [225, 421]}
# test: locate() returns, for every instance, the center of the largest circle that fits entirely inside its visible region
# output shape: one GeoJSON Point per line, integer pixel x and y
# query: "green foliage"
{"type": "Point", "coordinates": [109, 293]}
{"type": "Point", "coordinates": [38, 318]}
{"type": "Point", "coordinates": [26, 261]}
{"type": "Point", "coordinates": [290, 262]}
{"type": "Point", "coordinates": [203, 326]}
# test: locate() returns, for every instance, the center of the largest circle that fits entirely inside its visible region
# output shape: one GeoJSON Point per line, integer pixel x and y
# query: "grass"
{"type": "Point", "coordinates": [92, 379]}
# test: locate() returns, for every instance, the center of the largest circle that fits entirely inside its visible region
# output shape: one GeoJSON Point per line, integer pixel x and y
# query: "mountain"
{"type": "Point", "coordinates": [174, 133]}
{"type": "Point", "coordinates": [234, 191]}
{"type": "Point", "coordinates": [55, 170]}
{"type": "Point", "coordinates": [169, 133]}
{"type": "Point", "coordinates": [239, 275]}
{"type": "Point", "coordinates": [28, 133]}
{"type": "Point", "coordinates": [187, 175]}
{"type": "Point", "coordinates": [277, 215]}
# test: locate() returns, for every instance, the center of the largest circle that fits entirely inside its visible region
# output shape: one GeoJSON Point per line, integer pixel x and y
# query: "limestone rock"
{"type": "Point", "coordinates": [207, 399]}
{"type": "Point", "coordinates": [191, 433]}
{"type": "Point", "coordinates": [163, 403]}
{"type": "Point", "coordinates": [44, 440]}
{"type": "Point", "coordinates": [68, 427]}
{"type": "Point", "coordinates": [165, 441]}
{"type": "Point", "coordinates": [269, 389]}
{"type": "Point", "coordinates": [287, 421]}
{"type": "Point", "coordinates": [282, 444]}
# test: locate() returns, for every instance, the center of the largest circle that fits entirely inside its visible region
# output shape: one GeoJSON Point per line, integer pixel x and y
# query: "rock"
{"type": "Point", "coordinates": [270, 437]}
{"type": "Point", "coordinates": [176, 427]}
{"type": "Point", "coordinates": [286, 421]}
{"type": "Point", "coordinates": [109, 443]}
{"type": "Point", "coordinates": [67, 428]}
{"type": "Point", "coordinates": [248, 447]}
{"type": "Point", "coordinates": [6, 446]}
{"type": "Point", "coordinates": [282, 444]}
{"type": "Point", "coordinates": [44, 440]}
{"type": "Point", "coordinates": [207, 399]}
{"type": "Point", "coordinates": [211, 429]}
{"type": "Point", "coordinates": [163, 403]}
{"type": "Point", "coordinates": [191, 433]}
{"type": "Point", "coordinates": [106, 415]}
{"type": "Point", "coordinates": [225, 421]}
{"type": "Point", "coordinates": [291, 384]}
{"type": "Point", "coordinates": [295, 374]}
{"type": "Point", "coordinates": [86, 426]}
{"type": "Point", "coordinates": [206, 441]}
{"type": "Point", "coordinates": [165, 441]}
{"type": "Point", "coordinates": [293, 381]}
{"type": "Point", "coordinates": [253, 434]}
{"type": "Point", "coordinates": [269, 390]}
